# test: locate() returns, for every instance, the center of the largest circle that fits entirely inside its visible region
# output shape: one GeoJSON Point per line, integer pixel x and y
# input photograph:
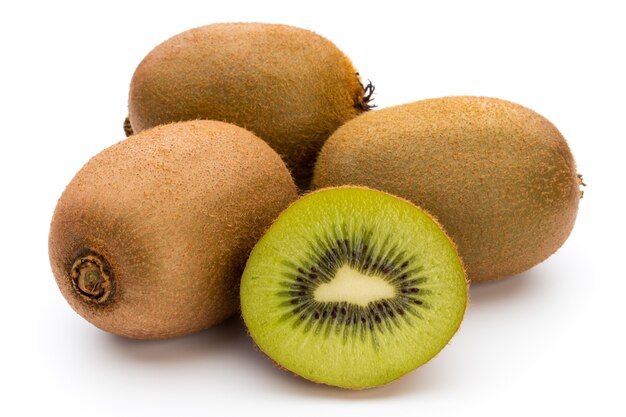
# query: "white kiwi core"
{"type": "Point", "coordinates": [352, 286]}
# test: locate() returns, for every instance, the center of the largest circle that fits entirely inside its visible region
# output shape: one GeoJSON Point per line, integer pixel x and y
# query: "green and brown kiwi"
{"type": "Point", "coordinates": [150, 237]}
{"type": "Point", "coordinates": [353, 287]}
{"type": "Point", "coordinates": [498, 176]}
{"type": "Point", "coordinates": [288, 85]}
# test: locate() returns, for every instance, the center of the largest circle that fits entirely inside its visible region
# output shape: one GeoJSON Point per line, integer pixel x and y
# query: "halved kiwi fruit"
{"type": "Point", "coordinates": [353, 287]}
{"type": "Point", "coordinates": [150, 237]}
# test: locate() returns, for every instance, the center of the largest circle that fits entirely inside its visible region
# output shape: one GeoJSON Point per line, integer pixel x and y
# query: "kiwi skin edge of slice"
{"type": "Point", "coordinates": [250, 292]}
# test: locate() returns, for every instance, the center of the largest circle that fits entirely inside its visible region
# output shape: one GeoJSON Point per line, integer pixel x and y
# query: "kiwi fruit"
{"type": "Point", "coordinates": [288, 85]}
{"type": "Point", "coordinates": [498, 176]}
{"type": "Point", "coordinates": [150, 237]}
{"type": "Point", "coordinates": [353, 287]}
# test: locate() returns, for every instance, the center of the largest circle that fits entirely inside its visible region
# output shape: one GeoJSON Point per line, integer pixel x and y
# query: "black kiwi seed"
{"type": "Point", "coordinates": [326, 257]}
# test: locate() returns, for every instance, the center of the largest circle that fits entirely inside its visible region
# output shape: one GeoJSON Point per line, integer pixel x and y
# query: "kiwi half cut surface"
{"type": "Point", "coordinates": [353, 287]}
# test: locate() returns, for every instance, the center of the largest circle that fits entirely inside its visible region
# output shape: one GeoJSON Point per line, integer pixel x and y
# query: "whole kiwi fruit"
{"type": "Point", "coordinates": [288, 85]}
{"type": "Point", "coordinates": [498, 176]}
{"type": "Point", "coordinates": [353, 287]}
{"type": "Point", "coordinates": [150, 237]}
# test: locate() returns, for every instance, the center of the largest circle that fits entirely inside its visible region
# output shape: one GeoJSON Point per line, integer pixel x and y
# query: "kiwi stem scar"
{"type": "Point", "coordinates": [92, 279]}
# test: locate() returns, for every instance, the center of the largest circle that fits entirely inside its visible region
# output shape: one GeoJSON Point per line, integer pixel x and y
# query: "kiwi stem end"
{"type": "Point", "coordinates": [581, 182]}
{"type": "Point", "coordinates": [92, 279]}
{"type": "Point", "coordinates": [128, 129]}
{"type": "Point", "coordinates": [364, 103]}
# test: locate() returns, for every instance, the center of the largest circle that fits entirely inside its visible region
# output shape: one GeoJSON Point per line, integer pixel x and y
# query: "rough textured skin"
{"type": "Point", "coordinates": [290, 86]}
{"type": "Point", "coordinates": [174, 211]}
{"type": "Point", "coordinates": [498, 176]}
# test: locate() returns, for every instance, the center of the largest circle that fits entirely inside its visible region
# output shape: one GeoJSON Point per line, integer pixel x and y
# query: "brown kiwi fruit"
{"type": "Point", "coordinates": [498, 176]}
{"type": "Point", "coordinates": [288, 85]}
{"type": "Point", "coordinates": [150, 237]}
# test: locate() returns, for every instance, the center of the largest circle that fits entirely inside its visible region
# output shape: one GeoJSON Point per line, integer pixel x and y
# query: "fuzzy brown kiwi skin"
{"type": "Point", "coordinates": [163, 222]}
{"type": "Point", "coordinates": [499, 176]}
{"type": "Point", "coordinates": [290, 86]}
{"type": "Point", "coordinates": [362, 103]}
{"type": "Point", "coordinates": [467, 287]}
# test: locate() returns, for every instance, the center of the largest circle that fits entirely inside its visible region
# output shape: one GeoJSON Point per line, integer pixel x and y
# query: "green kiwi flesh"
{"type": "Point", "coordinates": [353, 287]}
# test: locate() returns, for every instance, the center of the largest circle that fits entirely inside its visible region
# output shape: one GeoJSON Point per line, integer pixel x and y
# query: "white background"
{"type": "Point", "coordinates": [550, 340]}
